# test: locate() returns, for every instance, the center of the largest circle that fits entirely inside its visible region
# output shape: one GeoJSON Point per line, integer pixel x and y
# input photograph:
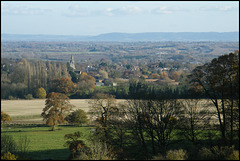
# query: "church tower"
{"type": "Point", "coordinates": [72, 65]}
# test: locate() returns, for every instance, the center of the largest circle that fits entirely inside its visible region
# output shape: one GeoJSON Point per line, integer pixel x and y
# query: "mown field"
{"type": "Point", "coordinates": [23, 111]}
{"type": "Point", "coordinates": [29, 111]}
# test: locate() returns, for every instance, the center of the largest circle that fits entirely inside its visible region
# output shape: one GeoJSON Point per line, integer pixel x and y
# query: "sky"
{"type": "Point", "coordinates": [99, 17]}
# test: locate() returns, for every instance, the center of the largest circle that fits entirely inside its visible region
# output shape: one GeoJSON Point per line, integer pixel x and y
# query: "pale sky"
{"type": "Point", "coordinates": [98, 17]}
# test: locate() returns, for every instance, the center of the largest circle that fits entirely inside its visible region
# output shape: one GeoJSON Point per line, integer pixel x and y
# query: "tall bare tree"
{"type": "Point", "coordinates": [196, 117]}
{"type": "Point", "coordinates": [220, 82]}
{"type": "Point", "coordinates": [156, 118]}
{"type": "Point", "coordinates": [103, 108]}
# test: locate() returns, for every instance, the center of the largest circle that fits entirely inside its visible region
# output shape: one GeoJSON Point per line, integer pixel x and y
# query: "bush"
{"type": "Point", "coordinates": [76, 146]}
{"type": "Point", "coordinates": [77, 117]}
{"type": "Point", "coordinates": [22, 147]}
{"type": "Point", "coordinates": [28, 96]}
{"type": "Point", "coordinates": [234, 155]}
{"type": "Point", "coordinates": [218, 153]}
{"type": "Point", "coordinates": [96, 150]}
{"type": "Point", "coordinates": [100, 151]}
{"type": "Point", "coordinates": [12, 98]}
{"type": "Point", "coordinates": [5, 117]}
{"type": "Point", "coordinates": [159, 157]}
{"type": "Point", "coordinates": [41, 93]}
{"type": "Point", "coordinates": [173, 155]}
{"type": "Point", "coordinates": [8, 144]}
{"type": "Point", "coordinates": [177, 155]}
{"type": "Point", "coordinates": [8, 156]}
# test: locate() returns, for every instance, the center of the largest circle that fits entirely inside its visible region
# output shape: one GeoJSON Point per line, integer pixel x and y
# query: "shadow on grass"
{"type": "Point", "coordinates": [3, 132]}
{"type": "Point", "coordinates": [24, 125]}
{"type": "Point", "coordinates": [57, 154]}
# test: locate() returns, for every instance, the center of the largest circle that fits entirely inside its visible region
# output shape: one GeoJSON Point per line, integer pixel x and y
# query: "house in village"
{"type": "Point", "coordinates": [99, 82]}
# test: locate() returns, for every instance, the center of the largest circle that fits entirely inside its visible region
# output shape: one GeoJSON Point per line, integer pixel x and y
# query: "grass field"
{"type": "Point", "coordinates": [44, 144]}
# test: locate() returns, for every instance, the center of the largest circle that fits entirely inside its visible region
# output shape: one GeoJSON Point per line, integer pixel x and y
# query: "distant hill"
{"type": "Point", "coordinates": [127, 37]}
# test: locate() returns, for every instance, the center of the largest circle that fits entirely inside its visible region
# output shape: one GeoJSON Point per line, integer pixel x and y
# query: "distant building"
{"type": "Point", "coordinates": [151, 80]}
{"type": "Point", "coordinates": [114, 84]}
{"type": "Point", "coordinates": [78, 72]}
{"type": "Point", "coordinates": [99, 84]}
{"type": "Point", "coordinates": [72, 65]}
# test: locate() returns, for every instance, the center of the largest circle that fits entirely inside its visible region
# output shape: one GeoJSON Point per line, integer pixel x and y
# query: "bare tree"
{"type": "Point", "coordinates": [103, 108]}
{"type": "Point", "coordinates": [220, 81]}
{"type": "Point", "coordinates": [157, 118]}
{"type": "Point", "coordinates": [195, 118]}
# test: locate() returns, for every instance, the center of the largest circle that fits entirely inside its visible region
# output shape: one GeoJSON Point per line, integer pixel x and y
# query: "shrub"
{"type": "Point", "coordinates": [205, 154]}
{"type": "Point", "coordinates": [8, 144]}
{"type": "Point", "coordinates": [100, 151]}
{"type": "Point", "coordinates": [5, 117]}
{"type": "Point", "coordinates": [234, 155]}
{"type": "Point", "coordinates": [172, 155]}
{"type": "Point", "coordinates": [177, 155]}
{"type": "Point", "coordinates": [159, 157]}
{"type": "Point", "coordinates": [41, 93]}
{"type": "Point", "coordinates": [8, 156]}
{"type": "Point", "coordinates": [28, 96]}
{"type": "Point", "coordinates": [80, 151]}
{"type": "Point", "coordinates": [77, 117]}
{"type": "Point", "coordinates": [75, 145]}
{"type": "Point", "coordinates": [218, 153]}
{"type": "Point", "coordinates": [22, 147]}
{"type": "Point", "coordinates": [12, 98]}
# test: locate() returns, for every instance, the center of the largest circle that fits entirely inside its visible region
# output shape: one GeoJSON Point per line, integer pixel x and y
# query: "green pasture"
{"type": "Point", "coordinates": [44, 144]}
{"type": "Point", "coordinates": [104, 88]}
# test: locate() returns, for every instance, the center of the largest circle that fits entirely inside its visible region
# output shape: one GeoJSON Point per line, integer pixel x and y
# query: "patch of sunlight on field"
{"type": "Point", "coordinates": [22, 107]}
{"type": "Point", "coordinates": [34, 107]}
{"type": "Point", "coordinates": [22, 111]}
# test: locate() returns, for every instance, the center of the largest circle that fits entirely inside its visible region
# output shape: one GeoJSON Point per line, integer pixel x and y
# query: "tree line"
{"type": "Point", "coordinates": [23, 78]}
